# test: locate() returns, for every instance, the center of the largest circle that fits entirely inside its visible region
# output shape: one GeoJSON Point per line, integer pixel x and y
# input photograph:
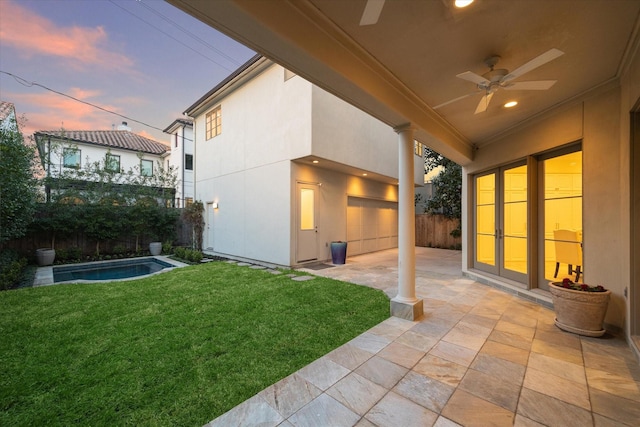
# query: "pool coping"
{"type": "Point", "coordinates": [44, 275]}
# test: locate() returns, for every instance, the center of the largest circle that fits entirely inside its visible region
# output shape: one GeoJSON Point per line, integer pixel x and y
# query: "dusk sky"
{"type": "Point", "coordinates": [143, 59]}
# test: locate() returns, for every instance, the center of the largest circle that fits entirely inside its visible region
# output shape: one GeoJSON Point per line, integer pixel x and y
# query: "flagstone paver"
{"type": "Point", "coordinates": [479, 356]}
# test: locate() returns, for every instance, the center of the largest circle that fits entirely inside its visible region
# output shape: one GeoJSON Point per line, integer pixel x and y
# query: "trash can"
{"type": "Point", "coordinates": [338, 252]}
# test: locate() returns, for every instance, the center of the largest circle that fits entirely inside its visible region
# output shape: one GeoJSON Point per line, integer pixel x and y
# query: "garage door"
{"type": "Point", "coordinates": [372, 225]}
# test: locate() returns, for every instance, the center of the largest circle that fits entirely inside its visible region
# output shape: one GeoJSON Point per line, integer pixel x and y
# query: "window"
{"type": "Point", "coordinates": [213, 123]}
{"type": "Point", "coordinates": [112, 163]}
{"type": "Point", "coordinates": [418, 148]}
{"type": "Point", "coordinates": [188, 201]}
{"type": "Point", "coordinates": [188, 162]}
{"type": "Point", "coordinates": [176, 140]}
{"type": "Point", "coordinates": [71, 158]}
{"type": "Point", "coordinates": [146, 167]}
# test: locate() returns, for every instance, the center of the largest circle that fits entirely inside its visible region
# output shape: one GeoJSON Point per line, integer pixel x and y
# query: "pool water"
{"type": "Point", "coordinates": [110, 270]}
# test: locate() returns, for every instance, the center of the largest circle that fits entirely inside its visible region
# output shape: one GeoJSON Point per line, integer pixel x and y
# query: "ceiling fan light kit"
{"type": "Point", "coordinates": [495, 79]}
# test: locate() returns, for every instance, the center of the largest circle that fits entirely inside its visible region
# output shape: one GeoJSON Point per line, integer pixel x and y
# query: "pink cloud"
{"type": "Point", "coordinates": [34, 34]}
{"type": "Point", "coordinates": [50, 111]}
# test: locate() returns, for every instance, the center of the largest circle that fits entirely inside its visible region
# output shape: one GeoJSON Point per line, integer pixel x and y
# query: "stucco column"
{"type": "Point", "coordinates": [405, 304]}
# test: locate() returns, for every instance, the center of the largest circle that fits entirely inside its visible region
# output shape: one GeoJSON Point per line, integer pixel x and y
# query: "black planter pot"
{"type": "Point", "coordinates": [338, 252]}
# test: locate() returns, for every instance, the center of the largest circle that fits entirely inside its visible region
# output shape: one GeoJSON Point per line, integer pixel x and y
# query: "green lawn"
{"type": "Point", "coordinates": [179, 348]}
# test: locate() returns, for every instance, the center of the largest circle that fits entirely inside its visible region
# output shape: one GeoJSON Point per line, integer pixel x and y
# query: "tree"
{"type": "Point", "coordinates": [18, 190]}
{"type": "Point", "coordinates": [194, 216]}
{"type": "Point", "coordinates": [447, 187]}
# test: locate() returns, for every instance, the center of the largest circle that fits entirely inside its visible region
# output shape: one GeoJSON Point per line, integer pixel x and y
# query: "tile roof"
{"type": "Point", "coordinates": [122, 139]}
{"type": "Point", "coordinates": [6, 108]}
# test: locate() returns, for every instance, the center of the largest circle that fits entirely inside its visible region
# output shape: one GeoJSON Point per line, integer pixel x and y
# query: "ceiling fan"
{"type": "Point", "coordinates": [371, 12]}
{"type": "Point", "coordinates": [495, 79]}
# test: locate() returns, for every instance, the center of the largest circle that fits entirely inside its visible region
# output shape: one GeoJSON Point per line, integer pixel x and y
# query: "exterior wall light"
{"type": "Point", "coordinates": [214, 205]}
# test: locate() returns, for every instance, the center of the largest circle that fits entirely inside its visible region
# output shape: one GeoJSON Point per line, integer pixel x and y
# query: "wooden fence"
{"type": "Point", "coordinates": [434, 231]}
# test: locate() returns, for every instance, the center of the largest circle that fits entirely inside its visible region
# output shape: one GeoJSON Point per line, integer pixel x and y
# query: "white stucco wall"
{"type": "Point", "coordinates": [596, 121]}
{"type": "Point", "coordinates": [333, 194]}
{"type": "Point", "coordinates": [246, 168]}
{"type": "Point", "coordinates": [184, 135]}
{"type": "Point", "coordinates": [347, 135]}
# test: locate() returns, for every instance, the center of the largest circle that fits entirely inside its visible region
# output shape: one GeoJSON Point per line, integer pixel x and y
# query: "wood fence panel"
{"type": "Point", "coordinates": [434, 231]}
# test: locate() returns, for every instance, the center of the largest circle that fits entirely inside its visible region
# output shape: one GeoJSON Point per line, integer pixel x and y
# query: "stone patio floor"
{"type": "Point", "coordinates": [480, 356]}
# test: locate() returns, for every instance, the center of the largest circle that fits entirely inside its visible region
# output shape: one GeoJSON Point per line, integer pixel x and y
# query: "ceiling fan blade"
{"type": "Point", "coordinates": [472, 77]}
{"type": "Point", "coordinates": [372, 11]}
{"type": "Point", "coordinates": [454, 100]}
{"type": "Point", "coordinates": [484, 103]}
{"type": "Point", "coordinates": [532, 85]}
{"type": "Point", "coordinates": [536, 62]}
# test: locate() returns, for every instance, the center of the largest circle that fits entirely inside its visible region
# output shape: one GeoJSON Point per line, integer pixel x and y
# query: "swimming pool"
{"type": "Point", "coordinates": [109, 270]}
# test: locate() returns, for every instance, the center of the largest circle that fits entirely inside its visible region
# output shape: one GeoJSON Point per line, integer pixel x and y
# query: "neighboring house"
{"type": "Point", "coordinates": [567, 157]}
{"type": "Point", "coordinates": [8, 116]}
{"type": "Point", "coordinates": [284, 168]}
{"type": "Point", "coordinates": [181, 158]}
{"type": "Point", "coordinates": [119, 150]}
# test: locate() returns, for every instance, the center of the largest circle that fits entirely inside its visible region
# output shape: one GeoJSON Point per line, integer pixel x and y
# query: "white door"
{"type": "Point", "coordinates": [307, 247]}
{"type": "Point", "coordinates": [209, 227]}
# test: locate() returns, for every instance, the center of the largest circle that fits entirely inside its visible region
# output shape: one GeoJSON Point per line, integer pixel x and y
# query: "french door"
{"type": "Point", "coordinates": [501, 222]}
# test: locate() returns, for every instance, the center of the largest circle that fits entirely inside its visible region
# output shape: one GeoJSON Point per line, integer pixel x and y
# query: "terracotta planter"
{"type": "Point", "coordinates": [580, 312]}
{"type": "Point", "coordinates": [45, 256]}
{"type": "Point", "coordinates": [155, 248]}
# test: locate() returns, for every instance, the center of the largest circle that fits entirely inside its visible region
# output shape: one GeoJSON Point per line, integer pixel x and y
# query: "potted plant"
{"type": "Point", "coordinates": [155, 248]}
{"type": "Point", "coordinates": [338, 252]}
{"type": "Point", "coordinates": [579, 308]}
{"type": "Point", "coordinates": [45, 256]}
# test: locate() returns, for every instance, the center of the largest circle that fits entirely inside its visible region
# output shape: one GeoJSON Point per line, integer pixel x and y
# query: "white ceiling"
{"type": "Point", "coordinates": [401, 67]}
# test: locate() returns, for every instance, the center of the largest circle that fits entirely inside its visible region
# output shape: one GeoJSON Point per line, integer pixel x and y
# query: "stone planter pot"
{"type": "Point", "coordinates": [579, 312]}
{"type": "Point", "coordinates": [338, 252]}
{"type": "Point", "coordinates": [155, 248]}
{"type": "Point", "coordinates": [45, 256]}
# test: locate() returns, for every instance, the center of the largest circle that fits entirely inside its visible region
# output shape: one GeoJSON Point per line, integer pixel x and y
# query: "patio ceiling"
{"type": "Point", "coordinates": [401, 67]}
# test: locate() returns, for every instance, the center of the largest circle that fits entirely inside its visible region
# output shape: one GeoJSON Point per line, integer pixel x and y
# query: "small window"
{"type": "Point", "coordinates": [146, 167]}
{"type": "Point", "coordinates": [71, 158]}
{"type": "Point", "coordinates": [213, 123]}
{"type": "Point", "coordinates": [188, 162]}
{"type": "Point", "coordinates": [188, 201]}
{"type": "Point", "coordinates": [112, 163]}
{"type": "Point", "coordinates": [418, 148]}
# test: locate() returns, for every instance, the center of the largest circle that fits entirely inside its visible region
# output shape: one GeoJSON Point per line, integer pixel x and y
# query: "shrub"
{"type": "Point", "coordinates": [119, 249]}
{"type": "Point", "coordinates": [167, 247]}
{"type": "Point", "coordinates": [11, 268]}
{"type": "Point", "coordinates": [188, 255]}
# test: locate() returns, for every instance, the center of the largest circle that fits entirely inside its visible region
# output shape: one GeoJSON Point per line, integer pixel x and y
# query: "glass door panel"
{"type": "Point", "coordinates": [562, 206]}
{"type": "Point", "coordinates": [501, 224]}
{"type": "Point", "coordinates": [515, 220]}
{"type": "Point", "coordinates": [485, 226]}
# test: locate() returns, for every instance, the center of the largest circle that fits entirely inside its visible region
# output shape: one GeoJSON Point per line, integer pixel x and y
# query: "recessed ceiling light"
{"type": "Point", "coordinates": [462, 3]}
{"type": "Point", "coordinates": [510, 104]}
{"type": "Point", "coordinates": [316, 161]}
{"type": "Point", "coordinates": [364, 174]}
